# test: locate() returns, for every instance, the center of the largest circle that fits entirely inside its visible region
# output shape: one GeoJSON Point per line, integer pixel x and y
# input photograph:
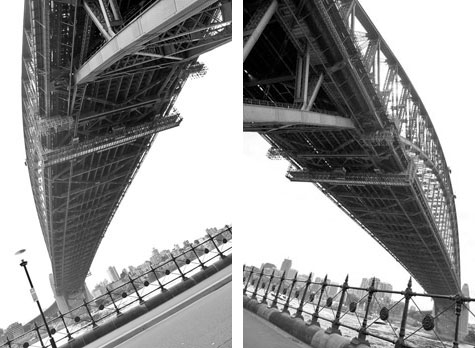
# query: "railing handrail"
{"type": "Point", "coordinates": [222, 237]}
{"type": "Point", "coordinates": [256, 279]}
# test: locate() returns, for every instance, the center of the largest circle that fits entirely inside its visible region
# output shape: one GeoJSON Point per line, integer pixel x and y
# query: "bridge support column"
{"type": "Point", "coordinates": [67, 302]}
{"type": "Point", "coordinates": [62, 303]}
{"type": "Point", "coordinates": [446, 323]}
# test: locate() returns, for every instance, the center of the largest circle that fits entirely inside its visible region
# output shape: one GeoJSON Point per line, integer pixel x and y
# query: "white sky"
{"type": "Point", "coordinates": [181, 189]}
{"type": "Point", "coordinates": [434, 44]}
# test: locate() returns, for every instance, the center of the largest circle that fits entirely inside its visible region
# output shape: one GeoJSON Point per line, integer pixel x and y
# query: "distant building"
{"type": "Point", "coordinates": [98, 291]}
{"type": "Point", "coordinates": [331, 291]}
{"type": "Point", "coordinates": [155, 258]}
{"type": "Point", "coordinates": [116, 284]}
{"type": "Point", "coordinates": [290, 274]}
{"type": "Point", "coordinates": [385, 297]}
{"type": "Point", "coordinates": [286, 265]}
{"type": "Point", "coordinates": [112, 274]}
{"type": "Point", "coordinates": [268, 265]}
{"type": "Point", "coordinates": [14, 330]}
{"type": "Point", "coordinates": [159, 257]}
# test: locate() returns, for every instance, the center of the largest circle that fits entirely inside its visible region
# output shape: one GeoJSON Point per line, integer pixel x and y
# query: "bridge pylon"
{"type": "Point", "coordinates": [68, 302]}
{"type": "Point", "coordinates": [446, 312]}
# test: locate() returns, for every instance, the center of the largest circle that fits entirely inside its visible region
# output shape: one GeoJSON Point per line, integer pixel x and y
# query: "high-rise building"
{"type": "Point", "coordinates": [385, 297]}
{"type": "Point", "coordinates": [14, 330]}
{"type": "Point", "coordinates": [290, 273]}
{"type": "Point", "coordinates": [155, 259]}
{"type": "Point", "coordinates": [112, 274]}
{"type": "Point", "coordinates": [286, 265]}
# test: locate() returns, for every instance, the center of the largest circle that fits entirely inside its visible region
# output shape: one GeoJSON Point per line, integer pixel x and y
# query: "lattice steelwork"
{"type": "Point", "coordinates": [387, 171]}
{"type": "Point", "coordinates": [88, 123]}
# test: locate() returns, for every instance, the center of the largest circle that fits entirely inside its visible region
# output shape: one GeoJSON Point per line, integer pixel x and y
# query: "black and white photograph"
{"type": "Point", "coordinates": [117, 222]}
{"type": "Point", "coordinates": [357, 174]}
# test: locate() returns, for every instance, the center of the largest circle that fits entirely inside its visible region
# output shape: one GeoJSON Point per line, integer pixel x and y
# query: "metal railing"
{"type": "Point", "coordinates": [134, 291]}
{"type": "Point", "coordinates": [368, 312]}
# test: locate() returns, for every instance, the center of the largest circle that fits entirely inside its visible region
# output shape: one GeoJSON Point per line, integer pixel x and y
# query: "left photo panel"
{"type": "Point", "coordinates": [117, 219]}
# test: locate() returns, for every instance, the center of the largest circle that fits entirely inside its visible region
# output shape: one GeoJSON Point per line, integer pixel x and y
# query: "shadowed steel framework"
{"type": "Point", "coordinates": [100, 78]}
{"type": "Point", "coordinates": [325, 90]}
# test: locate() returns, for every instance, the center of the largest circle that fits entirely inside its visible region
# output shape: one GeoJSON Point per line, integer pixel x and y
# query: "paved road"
{"type": "Point", "coordinates": [205, 323]}
{"type": "Point", "coordinates": [259, 333]}
{"type": "Point", "coordinates": [171, 308]}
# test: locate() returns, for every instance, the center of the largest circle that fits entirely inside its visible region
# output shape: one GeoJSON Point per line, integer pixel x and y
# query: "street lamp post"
{"type": "Point", "coordinates": [35, 298]}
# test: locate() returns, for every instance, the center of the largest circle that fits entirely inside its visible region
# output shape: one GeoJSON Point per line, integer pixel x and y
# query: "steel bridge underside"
{"type": "Point", "coordinates": [310, 93]}
{"type": "Point", "coordinates": [86, 137]}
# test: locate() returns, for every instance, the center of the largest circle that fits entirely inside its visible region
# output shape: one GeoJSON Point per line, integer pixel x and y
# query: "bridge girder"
{"type": "Point", "coordinates": [87, 132]}
{"type": "Point", "coordinates": [393, 144]}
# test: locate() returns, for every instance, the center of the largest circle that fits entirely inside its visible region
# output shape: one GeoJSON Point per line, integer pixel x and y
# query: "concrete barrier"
{"type": "Point", "coordinates": [309, 334]}
{"type": "Point", "coordinates": [109, 326]}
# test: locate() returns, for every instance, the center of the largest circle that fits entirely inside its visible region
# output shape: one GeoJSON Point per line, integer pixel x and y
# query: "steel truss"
{"type": "Point", "coordinates": [327, 56]}
{"type": "Point", "coordinates": [85, 141]}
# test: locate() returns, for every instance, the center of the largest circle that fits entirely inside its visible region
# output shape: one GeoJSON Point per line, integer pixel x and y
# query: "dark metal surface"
{"type": "Point", "coordinates": [388, 173]}
{"type": "Point", "coordinates": [85, 142]}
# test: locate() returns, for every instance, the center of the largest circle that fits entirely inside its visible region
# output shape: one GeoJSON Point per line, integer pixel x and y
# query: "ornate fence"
{"type": "Point", "coordinates": [133, 292]}
{"type": "Point", "coordinates": [365, 315]}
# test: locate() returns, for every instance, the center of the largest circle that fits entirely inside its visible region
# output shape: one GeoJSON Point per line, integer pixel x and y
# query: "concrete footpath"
{"type": "Point", "coordinates": [259, 333]}
{"type": "Point", "coordinates": [204, 323]}
{"type": "Point", "coordinates": [165, 310]}
{"type": "Point", "coordinates": [312, 335]}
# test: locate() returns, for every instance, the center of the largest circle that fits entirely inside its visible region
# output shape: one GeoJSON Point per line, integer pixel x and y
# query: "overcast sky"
{"type": "Point", "coordinates": [434, 44]}
{"type": "Point", "coordinates": [180, 190]}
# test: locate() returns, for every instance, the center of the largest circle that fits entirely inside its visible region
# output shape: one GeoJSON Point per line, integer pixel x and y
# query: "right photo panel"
{"type": "Point", "coordinates": [356, 214]}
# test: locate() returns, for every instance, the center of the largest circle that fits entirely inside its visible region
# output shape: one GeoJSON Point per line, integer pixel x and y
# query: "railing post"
{"type": "Point", "coordinates": [254, 294]}
{"type": "Point", "coordinates": [94, 325]}
{"type": "Point", "coordinates": [298, 314]}
{"type": "Point", "coordinates": [286, 305]}
{"type": "Point", "coordinates": [264, 299]}
{"type": "Point", "coordinates": [113, 302]}
{"type": "Point", "coordinates": [458, 310]}
{"type": "Point", "coordinates": [248, 280]}
{"type": "Point", "coordinates": [274, 302]}
{"type": "Point", "coordinates": [315, 314]}
{"type": "Point", "coordinates": [216, 247]}
{"type": "Point", "coordinates": [37, 329]}
{"type": "Point", "coordinates": [162, 288]}
{"type": "Point", "coordinates": [183, 277]}
{"type": "Point", "coordinates": [362, 331]}
{"type": "Point", "coordinates": [402, 330]}
{"type": "Point", "coordinates": [203, 267]}
{"type": "Point", "coordinates": [141, 301]}
{"type": "Point", "coordinates": [335, 328]}
{"type": "Point", "coordinates": [70, 338]}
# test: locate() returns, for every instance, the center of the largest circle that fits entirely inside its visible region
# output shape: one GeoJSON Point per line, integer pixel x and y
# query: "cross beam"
{"type": "Point", "coordinates": [256, 116]}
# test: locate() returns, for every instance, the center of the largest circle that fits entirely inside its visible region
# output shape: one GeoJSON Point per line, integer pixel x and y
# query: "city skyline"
{"type": "Point", "coordinates": [151, 212]}
{"type": "Point", "coordinates": [364, 282]}
{"type": "Point", "coordinates": [113, 275]}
